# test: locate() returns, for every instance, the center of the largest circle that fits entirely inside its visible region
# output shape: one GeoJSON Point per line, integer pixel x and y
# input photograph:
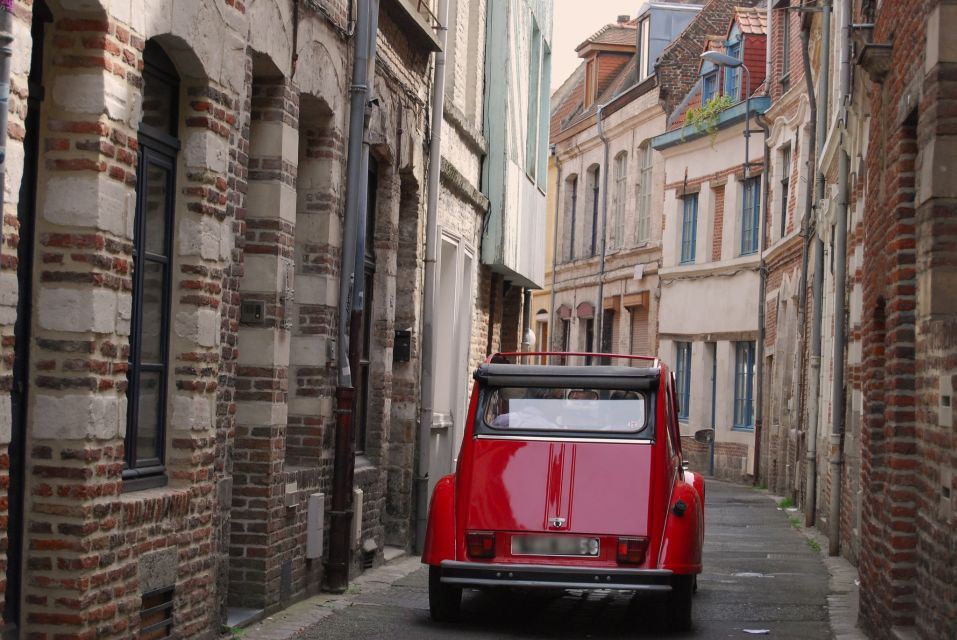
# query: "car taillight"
{"type": "Point", "coordinates": [480, 544]}
{"type": "Point", "coordinates": [632, 550]}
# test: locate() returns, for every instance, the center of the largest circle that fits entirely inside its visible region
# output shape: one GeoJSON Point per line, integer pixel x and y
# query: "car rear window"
{"type": "Point", "coordinates": [580, 411]}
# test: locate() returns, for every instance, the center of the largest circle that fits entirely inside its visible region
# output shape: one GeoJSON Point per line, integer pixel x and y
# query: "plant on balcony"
{"type": "Point", "coordinates": [705, 118]}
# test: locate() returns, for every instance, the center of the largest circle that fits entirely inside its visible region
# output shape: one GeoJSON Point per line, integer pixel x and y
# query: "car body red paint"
{"type": "Point", "coordinates": [583, 468]}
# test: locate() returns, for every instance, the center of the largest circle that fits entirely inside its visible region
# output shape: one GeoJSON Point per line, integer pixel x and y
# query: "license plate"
{"type": "Point", "coordinates": [554, 546]}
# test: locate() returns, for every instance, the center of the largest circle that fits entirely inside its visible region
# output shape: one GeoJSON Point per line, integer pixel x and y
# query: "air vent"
{"type": "Point", "coordinates": [156, 615]}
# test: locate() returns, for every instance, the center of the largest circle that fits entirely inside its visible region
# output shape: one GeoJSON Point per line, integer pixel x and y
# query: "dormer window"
{"type": "Point", "coordinates": [591, 80]}
{"type": "Point", "coordinates": [644, 40]}
{"type": "Point", "coordinates": [732, 77]}
{"type": "Point", "coordinates": [709, 86]}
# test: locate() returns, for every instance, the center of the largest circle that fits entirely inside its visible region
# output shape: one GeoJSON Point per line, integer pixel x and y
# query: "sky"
{"type": "Point", "coordinates": [574, 21]}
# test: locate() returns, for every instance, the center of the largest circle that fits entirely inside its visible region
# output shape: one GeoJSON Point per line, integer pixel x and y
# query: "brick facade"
{"type": "Point", "coordinates": [256, 218]}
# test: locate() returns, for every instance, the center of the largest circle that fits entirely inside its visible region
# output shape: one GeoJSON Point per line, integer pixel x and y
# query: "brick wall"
{"type": "Point", "coordinates": [907, 557]}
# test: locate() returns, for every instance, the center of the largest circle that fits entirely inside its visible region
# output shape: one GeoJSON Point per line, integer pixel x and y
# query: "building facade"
{"type": "Point", "coordinates": [173, 210]}
{"type": "Point", "coordinates": [708, 321]}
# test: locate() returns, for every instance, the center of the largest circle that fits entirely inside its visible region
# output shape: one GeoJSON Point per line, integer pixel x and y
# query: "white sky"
{"type": "Point", "coordinates": [575, 20]}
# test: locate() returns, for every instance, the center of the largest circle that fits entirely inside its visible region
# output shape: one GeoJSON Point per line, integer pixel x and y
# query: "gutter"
{"type": "Point", "coordinates": [840, 302]}
{"type": "Point", "coordinates": [427, 379]}
{"type": "Point", "coordinates": [350, 298]}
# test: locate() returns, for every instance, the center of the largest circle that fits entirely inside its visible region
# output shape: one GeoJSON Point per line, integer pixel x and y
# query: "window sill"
{"type": "Point", "coordinates": [133, 482]}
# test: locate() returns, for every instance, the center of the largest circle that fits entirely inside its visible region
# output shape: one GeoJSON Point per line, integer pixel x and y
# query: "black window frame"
{"type": "Point", "coordinates": [785, 186]}
{"type": "Point", "coordinates": [365, 324]}
{"type": "Point", "coordinates": [156, 147]}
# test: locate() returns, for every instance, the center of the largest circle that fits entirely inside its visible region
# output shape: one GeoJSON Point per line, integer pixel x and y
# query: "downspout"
{"type": "Point", "coordinates": [526, 319]}
{"type": "Point", "coordinates": [552, 323]}
{"type": "Point", "coordinates": [840, 306]}
{"type": "Point", "coordinates": [762, 294]}
{"type": "Point", "coordinates": [427, 379]}
{"type": "Point", "coordinates": [811, 454]}
{"type": "Point", "coordinates": [337, 574]}
{"type": "Point", "coordinates": [600, 307]}
{"type": "Point", "coordinates": [6, 53]}
{"type": "Point", "coordinates": [817, 287]}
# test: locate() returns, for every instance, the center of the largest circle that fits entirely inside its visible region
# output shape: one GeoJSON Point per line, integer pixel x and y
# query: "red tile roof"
{"type": "Point", "coordinates": [612, 34]}
{"type": "Point", "coordinates": [752, 20]}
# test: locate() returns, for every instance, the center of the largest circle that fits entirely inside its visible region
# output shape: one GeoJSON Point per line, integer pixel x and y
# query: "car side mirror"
{"type": "Point", "coordinates": [704, 436]}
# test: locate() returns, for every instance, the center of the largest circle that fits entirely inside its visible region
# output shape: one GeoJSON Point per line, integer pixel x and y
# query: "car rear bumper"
{"type": "Point", "coordinates": [536, 576]}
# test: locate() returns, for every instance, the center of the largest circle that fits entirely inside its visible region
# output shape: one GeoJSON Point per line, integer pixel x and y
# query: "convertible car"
{"type": "Point", "coordinates": [569, 477]}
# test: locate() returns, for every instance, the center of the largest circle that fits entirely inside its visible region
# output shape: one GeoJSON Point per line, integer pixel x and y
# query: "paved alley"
{"type": "Point", "coordinates": [760, 574]}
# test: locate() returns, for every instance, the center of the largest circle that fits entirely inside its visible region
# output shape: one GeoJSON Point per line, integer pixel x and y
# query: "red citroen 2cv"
{"type": "Point", "coordinates": [569, 477]}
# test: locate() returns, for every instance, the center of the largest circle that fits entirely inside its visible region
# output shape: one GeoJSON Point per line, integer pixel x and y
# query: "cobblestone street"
{"type": "Point", "coordinates": [760, 574]}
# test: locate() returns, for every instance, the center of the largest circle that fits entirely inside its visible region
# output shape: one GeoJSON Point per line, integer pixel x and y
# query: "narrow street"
{"type": "Point", "coordinates": [760, 573]}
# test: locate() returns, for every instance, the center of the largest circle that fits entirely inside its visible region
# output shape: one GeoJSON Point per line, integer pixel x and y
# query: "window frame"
{"type": "Point", "coordinates": [645, 177]}
{"type": "Point", "coordinates": [683, 379]}
{"type": "Point", "coordinates": [156, 147]}
{"type": "Point", "coordinates": [689, 229]}
{"type": "Point", "coordinates": [534, 91]}
{"type": "Point", "coordinates": [786, 47]}
{"type": "Point", "coordinates": [785, 186]}
{"type": "Point", "coordinates": [744, 354]}
{"type": "Point", "coordinates": [707, 95]}
{"type": "Point", "coordinates": [621, 180]}
{"type": "Point", "coordinates": [750, 215]}
{"type": "Point", "coordinates": [732, 79]}
{"type": "Point", "coordinates": [363, 376]}
{"type": "Point", "coordinates": [644, 42]}
{"type": "Point", "coordinates": [571, 192]}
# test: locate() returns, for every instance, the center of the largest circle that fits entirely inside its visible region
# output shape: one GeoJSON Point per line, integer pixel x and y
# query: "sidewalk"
{"type": "Point", "coordinates": [843, 600]}
{"type": "Point", "coordinates": [291, 622]}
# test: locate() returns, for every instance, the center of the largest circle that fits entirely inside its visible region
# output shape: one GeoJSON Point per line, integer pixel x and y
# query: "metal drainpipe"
{"type": "Point", "coordinates": [811, 455]}
{"type": "Point", "coordinates": [337, 573]}
{"type": "Point", "coordinates": [526, 319]}
{"type": "Point", "coordinates": [552, 323]}
{"type": "Point", "coordinates": [817, 288]}
{"type": "Point", "coordinates": [762, 293]}
{"type": "Point", "coordinates": [600, 308]}
{"type": "Point", "coordinates": [427, 379]}
{"type": "Point", "coordinates": [840, 303]}
{"type": "Point", "coordinates": [6, 52]}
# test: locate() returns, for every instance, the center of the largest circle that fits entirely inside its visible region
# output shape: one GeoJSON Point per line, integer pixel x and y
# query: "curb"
{"type": "Point", "coordinates": [291, 622]}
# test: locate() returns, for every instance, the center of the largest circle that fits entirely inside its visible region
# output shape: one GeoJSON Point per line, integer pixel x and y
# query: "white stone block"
{"type": "Point", "coordinates": [192, 412]}
{"type": "Point", "coordinates": [227, 240]}
{"type": "Point", "coordinates": [200, 326]}
{"type": "Point", "coordinates": [200, 236]}
{"type": "Point", "coordinates": [261, 413]}
{"type": "Point", "coordinates": [14, 171]}
{"type": "Point", "coordinates": [6, 419]}
{"type": "Point", "coordinates": [264, 273]}
{"type": "Point", "coordinates": [264, 347]}
{"type": "Point", "coordinates": [310, 289]}
{"type": "Point", "coordinates": [206, 149]}
{"type": "Point", "coordinates": [9, 292]}
{"type": "Point", "coordinates": [77, 417]}
{"type": "Point", "coordinates": [308, 350]}
{"type": "Point", "coordinates": [89, 201]}
{"type": "Point", "coordinates": [77, 310]}
{"type": "Point", "coordinates": [271, 199]}
{"type": "Point", "coordinates": [20, 60]}
{"type": "Point", "coordinates": [124, 313]}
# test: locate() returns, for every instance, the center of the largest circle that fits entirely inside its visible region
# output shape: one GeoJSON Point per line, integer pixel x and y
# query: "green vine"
{"type": "Point", "coordinates": [705, 118]}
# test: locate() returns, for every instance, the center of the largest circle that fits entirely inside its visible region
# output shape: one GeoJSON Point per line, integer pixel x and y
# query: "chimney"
{"type": "Point", "coordinates": [623, 19]}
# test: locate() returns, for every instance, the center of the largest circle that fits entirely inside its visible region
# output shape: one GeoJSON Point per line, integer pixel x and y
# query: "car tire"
{"type": "Point", "coordinates": [679, 602]}
{"type": "Point", "coordinates": [445, 602]}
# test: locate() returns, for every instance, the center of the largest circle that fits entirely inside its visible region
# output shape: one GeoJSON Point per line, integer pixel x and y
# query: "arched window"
{"type": "Point", "coordinates": [152, 256]}
{"type": "Point", "coordinates": [594, 191]}
{"type": "Point", "coordinates": [621, 177]}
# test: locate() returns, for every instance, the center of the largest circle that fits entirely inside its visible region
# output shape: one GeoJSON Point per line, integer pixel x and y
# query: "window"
{"type": "Point", "coordinates": [644, 193]}
{"type": "Point", "coordinates": [683, 378]}
{"type": "Point", "coordinates": [571, 204]}
{"type": "Point", "coordinates": [644, 35]}
{"type": "Point", "coordinates": [743, 385]}
{"type": "Point", "coordinates": [608, 334]}
{"type": "Point", "coordinates": [534, 73]}
{"type": "Point", "coordinates": [785, 187]}
{"type": "Point", "coordinates": [544, 88]}
{"type": "Point", "coordinates": [750, 208]}
{"type": "Point", "coordinates": [156, 615]}
{"type": "Point", "coordinates": [590, 82]}
{"type": "Point", "coordinates": [594, 175]}
{"type": "Point", "coordinates": [365, 323]}
{"type": "Point", "coordinates": [148, 361]}
{"type": "Point", "coordinates": [621, 178]}
{"type": "Point", "coordinates": [785, 47]}
{"type": "Point", "coordinates": [732, 79]}
{"type": "Point", "coordinates": [689, 228]}
{"type": "Point", "coordinates": [709, 87]}
{"type": "Point", "coordinates": [589, 338]}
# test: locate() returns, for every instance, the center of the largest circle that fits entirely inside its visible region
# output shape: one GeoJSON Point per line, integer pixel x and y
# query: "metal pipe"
{"type": "Point", "coordinates": [526, 319]}
{"type": "Point", "coordinates": [427, 378]}
{"type": "Point", "coordinates": [337, 573]}
{"type": "Point", "coordinates": [840, 303]}
{"type": "Point", "coordinates": [817, 288]}
{"type": "Point", "coordinates": [600, 308]}
{"type": "Point", "coordinates": [552, 322]}
{"type": "Point", "coordinates": [762, 294]}
{"type": "Point", "coordinates": [811, 439]}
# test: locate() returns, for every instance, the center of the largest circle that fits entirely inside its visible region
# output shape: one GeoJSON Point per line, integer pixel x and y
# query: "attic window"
{"type": "Point", "coordinates": [591, 80]}
{"type": "Point", "coordinates": [644, 39]}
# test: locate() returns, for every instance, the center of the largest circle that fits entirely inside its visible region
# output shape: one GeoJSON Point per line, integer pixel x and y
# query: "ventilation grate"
{"type": "Point", "coordinates": [156, 615]}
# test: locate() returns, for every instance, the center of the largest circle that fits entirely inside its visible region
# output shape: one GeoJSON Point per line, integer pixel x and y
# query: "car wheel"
{"type": "Point", "coordinates": [445, 602]}
{"type": "Point", "coordinates": [679, 602]}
